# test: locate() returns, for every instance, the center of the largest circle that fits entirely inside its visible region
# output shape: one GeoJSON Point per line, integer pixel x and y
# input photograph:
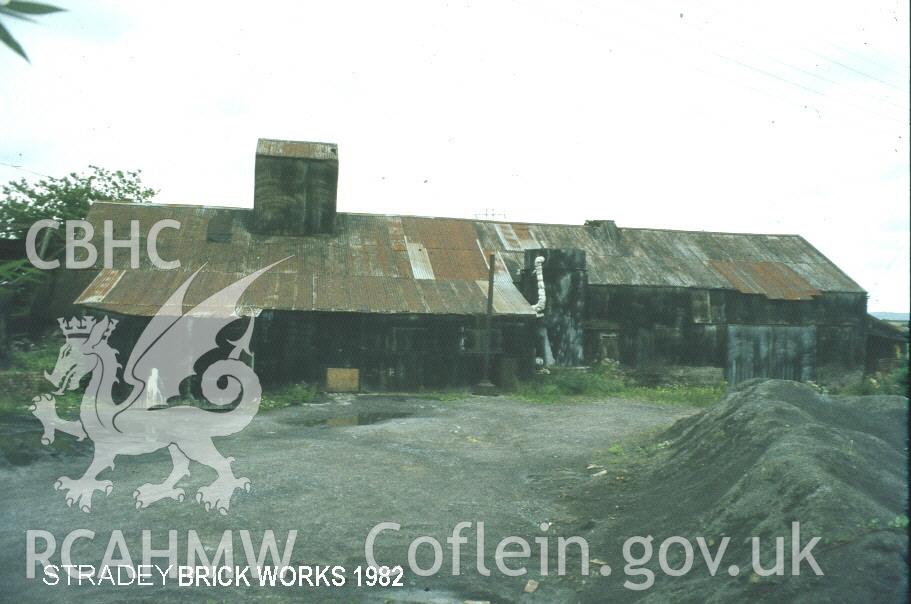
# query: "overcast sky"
{"type": "Point", "coordinates": [780, 117]}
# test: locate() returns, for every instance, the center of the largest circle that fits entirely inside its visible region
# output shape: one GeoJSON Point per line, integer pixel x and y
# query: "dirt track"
{"type": "Point", "coordinates": [332, 472]}
{"type": "Point", "coordinates": [770, 454]}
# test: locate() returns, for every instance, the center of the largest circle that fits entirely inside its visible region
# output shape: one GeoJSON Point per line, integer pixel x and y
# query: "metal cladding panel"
{"type": "Point", "coordinates": [279, 148]}
{"type": "Point", "coordinates": [140, 292]}
{"type": "Point", "coordinates": [508, 238]}
{"type": "Point", "coordinates": [276, 290]}
{"type": "Point", "coordinates": [501, 272]}
{"type": "Point", "coordinates": [513, 262]}
{"type": "Point", "coordinates": [458, 265]}
{"type": "Point", "coordinates": [100, 287]}
{"type": "Point", "coordinates": [433, 298]}
{"type": "Point", "coordinates": [375, 294]}
{"type": "Point", "coordinates": [264, 293]}
{"type": "Point", "coordinates": [206, 284]}
{"type": "Point", "coordinates": [778, 266]}
{"type": "Point", "coordinates": [332, 294]}
{"type": "Point", "coordinates": [526, 239]}
{"type": "Point", "coordinates": [825, 277]}
{"type": "Point", "coordinates": [412, 294]}
{"type": "Point", "coordinates": [775, 280]}
{"type": "Point", "coordinates": [359, 299]}
{"type": "Point", "coordinates": [443, 233]}
{"type": "Point", "coordinates": [506, 300]}
{"type": "Point", "coordinates": [466, 299]}
{"type": "Point", "coordinates": [143, 292]}
{"type": "Point", "coordinates": [366, 265]}
{"type": "Point", "coordinates": [421, 267]}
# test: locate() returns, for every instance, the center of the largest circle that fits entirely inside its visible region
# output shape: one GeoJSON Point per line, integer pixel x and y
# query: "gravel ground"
{"type": "Point", "coordinates": [332, 472]}
{"type": "Point", "coordinates": [770, 454]}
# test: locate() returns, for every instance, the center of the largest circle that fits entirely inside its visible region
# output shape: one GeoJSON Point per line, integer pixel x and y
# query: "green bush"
{"type": "Point", "coordinates": [36, 356]}
{"type": "Point", "coordinates": [892, 382]}
{"type": "Point", "coordinates": [896, 381]}
{"type": "Point", "coordinates": [294, 394]}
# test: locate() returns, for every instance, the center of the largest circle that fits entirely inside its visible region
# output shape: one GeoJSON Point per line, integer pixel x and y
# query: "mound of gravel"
{"type": "Point", "coordinates": [773, 453]}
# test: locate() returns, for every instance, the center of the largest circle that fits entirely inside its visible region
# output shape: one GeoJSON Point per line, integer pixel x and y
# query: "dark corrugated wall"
{"type": "Point", "coordinates": [786, 352]}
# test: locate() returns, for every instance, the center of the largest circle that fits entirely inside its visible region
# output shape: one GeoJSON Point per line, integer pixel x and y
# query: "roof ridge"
{"type": "Point", "coordinates": [695, 232]}
{"type": "Point", "coordinates": [463, 219]}
{"type": "Point", "coordinates": [161, 204]}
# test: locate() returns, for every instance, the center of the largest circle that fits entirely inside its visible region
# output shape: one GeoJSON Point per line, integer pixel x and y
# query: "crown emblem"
{"type": "Point", "coordinates": [82, 327]}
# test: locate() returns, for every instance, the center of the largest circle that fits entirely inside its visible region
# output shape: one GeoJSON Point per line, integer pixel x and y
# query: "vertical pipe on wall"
{"type": "Point", "coordinates": [485, 386]}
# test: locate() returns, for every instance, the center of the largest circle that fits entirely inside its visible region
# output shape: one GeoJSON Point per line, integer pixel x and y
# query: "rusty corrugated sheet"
{"type": "Point", "coordinates": [367, 265]}
{"type": "Point", "coordinates": [279, 148]}
{"type": "Point", "coordinates": [100, 286]}
{"type": "Point", "coordinates": [509, 241]}
{"type": "Point", "coordinates": [144, 292]}
{"type": "Point", "coordinates": [774, 280]}
{"type": "Point", "coordinates": [506, 299]}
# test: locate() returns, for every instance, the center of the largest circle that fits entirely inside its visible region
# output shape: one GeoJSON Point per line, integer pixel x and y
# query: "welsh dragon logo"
{"type": "Point", "coordinates": [163, 356]}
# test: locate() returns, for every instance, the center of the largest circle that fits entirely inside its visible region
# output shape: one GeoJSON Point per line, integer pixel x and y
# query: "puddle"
{"type": "Point", "coordinates": [361, 419]}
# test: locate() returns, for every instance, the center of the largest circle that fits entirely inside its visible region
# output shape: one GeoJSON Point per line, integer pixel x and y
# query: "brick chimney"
{"type": "Point", "coordinates": [295, 187]}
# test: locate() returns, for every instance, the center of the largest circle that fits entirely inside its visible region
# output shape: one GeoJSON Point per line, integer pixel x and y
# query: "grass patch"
{"type": "Point", "coordinates": [616, 449]}
{"type": "Point", "coordinates": [67, 404]}
{"type": "Point", "coordinates": [893, 382]}
{"type": "Point", "coordinates": [21, 378]}
{"type": "Point", "coordinates": [288, 396]}
{"type": "Point", "coordinates": [34, 356]}
{"type": "Point", "coordinates": [693, 396]}
{"type": "Point", "coordinates": [562, 385]}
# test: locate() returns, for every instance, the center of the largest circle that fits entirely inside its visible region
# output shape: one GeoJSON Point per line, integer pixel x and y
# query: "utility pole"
{"type": "Point", "coordinates": [485, 386]}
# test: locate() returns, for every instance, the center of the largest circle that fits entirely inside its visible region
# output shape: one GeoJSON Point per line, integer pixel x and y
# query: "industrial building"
{"type": "Point", "coordinates": [400, 299]}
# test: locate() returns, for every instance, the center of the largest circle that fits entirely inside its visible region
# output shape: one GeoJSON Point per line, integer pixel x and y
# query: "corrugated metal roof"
{"type": "Point", "coordinates": [382, 264]}
{"type": "Point", "coordinates": [407, 264]}
{"type": "Point", "coordinates": [421, 266]}
{"type": "Point", "coordinates": [100, 286]}
{"type": "Point", "coordinates": [143, 292]}
{"type": "Point", "coordinates": [775, 280]}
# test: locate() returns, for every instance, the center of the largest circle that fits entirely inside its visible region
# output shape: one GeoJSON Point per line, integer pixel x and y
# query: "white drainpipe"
{"type": "Point", "coordinates": [542, 296]}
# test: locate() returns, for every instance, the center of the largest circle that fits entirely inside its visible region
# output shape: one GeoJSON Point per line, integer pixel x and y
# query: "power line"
{"type": "Point", "coordinates": [808, 89]}
{"type": "Point", "coordinates": [825, 58]}
{"type": "Point", "coordinates": [16, 167]}
{"type": "Point", "coordinates": [787, 65]}
{"type": "Point", "coordinates": [650, 29]}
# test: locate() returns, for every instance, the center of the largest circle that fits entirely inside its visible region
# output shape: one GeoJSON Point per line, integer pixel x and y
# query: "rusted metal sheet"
{"type": "Point", "coordinates": [369, 266]}
{"type": "Point", "coordinates": [278, 148]}
{"type": "Point", "coordinates": [458, 265]}
{"type": "Point", "coordinates": [775, 280]}
{"type": "Point", "coordinates": [778, 266]}
{"type": "Point", "coordinates": [100, 286]}
{"type": "Point", "coordinates": [439, 232]}
{"type": "Point", "coordinates": [526, 239]}
{"type": "Point", "coordinates": [509, 241]}
{"type": "Point", "coordinates": [506, 299]}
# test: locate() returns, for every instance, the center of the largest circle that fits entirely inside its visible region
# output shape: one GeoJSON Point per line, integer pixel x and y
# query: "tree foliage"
{"type": "Point", "coordinates": [24, 11]}
{"type": "Point", "coordinates": [65, 198]}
